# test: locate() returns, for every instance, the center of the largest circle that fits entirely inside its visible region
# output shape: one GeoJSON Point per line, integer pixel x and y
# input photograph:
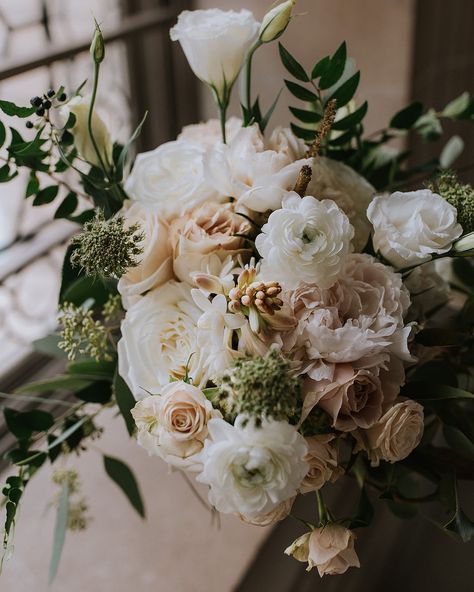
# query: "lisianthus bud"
{"type": "Point", "coordinates": [97, 48]}
{"type": "Point", "coordinates": [464, 247]}
{"type": "Point", "coordinates": [275, 21]}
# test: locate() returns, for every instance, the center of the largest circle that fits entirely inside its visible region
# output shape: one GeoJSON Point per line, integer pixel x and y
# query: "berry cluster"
{"type": "Point", "coordinates": [44, 103]}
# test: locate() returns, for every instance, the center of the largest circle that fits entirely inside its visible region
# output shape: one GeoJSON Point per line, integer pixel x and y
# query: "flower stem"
{"type": "Point", "coordinates": [89, 120]}
{"type": "Point", "coordinates": [223, 114]}
{"type": "Point", "coordinates": [322, 510]}
{"type": "Point", "coordinates": [248, 74]}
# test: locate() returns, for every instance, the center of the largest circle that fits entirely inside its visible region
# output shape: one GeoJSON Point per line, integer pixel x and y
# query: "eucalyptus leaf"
{"type": "Point", "coordinates": [125, 401]}
{"type": "Point", "coordinates": [60, 528]}
{"type": "Point", "coordinates": [62, 382]}
{"type": "Point", "coordinates": [123, 477]}
{"type": "Point", "coordinates": [452, 150]}
{"type": "Point", "coordinates": [457, 106]}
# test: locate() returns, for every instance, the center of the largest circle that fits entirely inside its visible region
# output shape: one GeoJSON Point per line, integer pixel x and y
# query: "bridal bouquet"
{"type": "Point", "coordinates": [269, 311]}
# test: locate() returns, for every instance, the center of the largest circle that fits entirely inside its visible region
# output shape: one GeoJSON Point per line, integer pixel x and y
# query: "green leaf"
{"type": "Point", "coordinates": [460, 524]}
{"type": "Point", "coordinates": [459, 442]}
{"type": "Point", "coordinates": [67, 207]}
{"type": "Point", "coordinates": [425, 392]}
{"type": "Point", "coordinates": [60, 528]}
{"type": "Point", "coordinates": [438, 371]}
{"type": "Point", "coordinates": [305, 134]}
{"type": "Point", "coordinates": [352, 119]}
{"type": "Point", "coordinates": [125, 401]}
{"type": "Point", "coordinates": [451, 151]}
{"type": "Point", "coordinates": [23, 423]}
{"type": "Point", "coordinates": [103, 370]}
{"type": "Point", "coordinates": [408, 116]}
{"type": "Point", "coordinates": [123, 477]}
{"type": "Point", "coordinates": [3, 134]}
{"type": "Point", "coordinates": [46, 195]}
{"type": "Point", "coordinates": [11, 109]}
{"type": "Point", "coordinates": [457, 106]}
{"type": "Point", "coordinates": [96, 392]}
{"type": "Point", "coordinates": [33, 185]}
{"type": "Point", "coordinates": [364, 513]}
{"type": "Point", "coordinates": [305, 116]}
{"type": "Point", "coordinates": [441, 337]}
{"type": "Point", "coordinates": [124, 152]}
{"type": "Point", "coordinates": [464, 270]}
{"type": "Point", "coordinates": [85, 288]}
{"type": "Point", "coordinates": [320, 67]}
{"type": "Point", "coordinates": [266, 118]}
{"type": "Point", "coordinates": [65, 382]}
{"type": "Point", "coordinates": [292, 65]}
{"type": "Point", "coordinates": [335, 68]}
{"type": "Point", "coordinates": [345, 92]}
{"type": "Point", "coordinates": [5, 175]}
{"type": "Point", "coordinates": [300, 92]}
{"type": "Point", "coordinates": [49, 346]}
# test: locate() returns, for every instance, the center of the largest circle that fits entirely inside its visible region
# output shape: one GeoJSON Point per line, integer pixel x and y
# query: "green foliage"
{"type": "Point", "coordinates": [123, 477]}
{"type": "Point", "coordinates": [125, 401]}
{"type": "Point", "coordinates": [62, 518]}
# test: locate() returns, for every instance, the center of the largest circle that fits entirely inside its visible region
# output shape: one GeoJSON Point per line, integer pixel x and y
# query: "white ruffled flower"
{"type": "Point", "coordinates": [307, 240]}
{"type": "Point", "coordinates": [256, 174]}
{"type": "Point", "coordinates": [250, 470]}
{"type": "Point", "coordinates": [170, 179]}
{"type": "Point", "coordinates": [208, 134]}
{"type": "Point", "coordinates": [159, 340]}
{"type": "Point", "coordinates": [410, 227]}
{"type": "Point", "coordinates": [215, 43]}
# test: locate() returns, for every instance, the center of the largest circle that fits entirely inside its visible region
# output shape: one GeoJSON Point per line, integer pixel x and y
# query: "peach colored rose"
{"type": "Point", "coordinates": [210, 228]}
{"type": "Point", "coordinates": [322, 459]}
{"type": "Point", "coordinates": [269, 518]}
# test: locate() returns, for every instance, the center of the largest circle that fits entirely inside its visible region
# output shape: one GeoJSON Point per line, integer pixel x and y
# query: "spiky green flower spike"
{"type": "Point", "coordinates": [460, 195]}
{"type": "Point", "coordinates": [107, 247]}
{"type": "Point", "coordinates": [260, 387]}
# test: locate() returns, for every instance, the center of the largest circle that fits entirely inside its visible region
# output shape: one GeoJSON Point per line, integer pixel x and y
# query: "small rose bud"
{"type": "Point", "coordinates": [275, 21]}
{"type": "Point", "coordinates": [464, 247]}
{"type": "Point", "coordinates": [97, 48]}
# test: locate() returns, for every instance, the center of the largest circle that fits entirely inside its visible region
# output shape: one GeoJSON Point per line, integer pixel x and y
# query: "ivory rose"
{"type": "Point", "coordinates": [329, 548]}
{"type": "Point", "coordinates": [410, 227]}
{"type": "Point", "coordinates": [305, 241]}
{"type": "Point", "coordinates": [269, 518]}
{"type": "Point", "coordinates": [322, 460]}
{"type": "Point", "coordinates": [173, 425]}
{"type": "Point", "coordinates": [155, 265]}
{"type": "Point", "coordinates": [395, 435]}
{"type": "Point", "coordinates": [208, 228]}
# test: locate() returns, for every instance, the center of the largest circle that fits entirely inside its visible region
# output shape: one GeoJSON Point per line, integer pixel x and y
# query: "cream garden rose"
{"type": "Point", "coordinates": [322, 460]}
{"type": "Point", "coordinates": [278, 514]}
{"type": "Point", "coordinates": [410, 227]}
{"type": "Point", "coordinates": [305, 241]}
{"type": "Point", "coordinates": [329, 548]}
{"type": "Point", "coordinates": [173, 425]}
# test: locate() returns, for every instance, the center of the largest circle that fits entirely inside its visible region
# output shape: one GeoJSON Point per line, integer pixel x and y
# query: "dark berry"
{"type": "Point", "coordinates": [62, 97]}
{"type": "Point", "coordinates": [29, 125]}
{"type": "Point", "coordinates": [47, 104]}
{"type": "Point", "coordinates": [50, 93]}
{"type": "Point", "coordinates": [40, 111]}
{"type": "Point", "coordinates": [36, 102]}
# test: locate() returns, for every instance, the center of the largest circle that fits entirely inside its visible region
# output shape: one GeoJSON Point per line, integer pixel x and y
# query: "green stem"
{"type": "Point", "coordinates": [322, 510]}
{"type": "Point", "coordinates": [89, 120]}
{"type": "Point", "coordinates": [223, 114]}
{"type": "Point", "coordinates": [248, 74]}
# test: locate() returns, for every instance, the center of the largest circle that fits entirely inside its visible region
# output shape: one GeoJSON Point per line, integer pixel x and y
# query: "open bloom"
{"type": "Point", "coordinates": [330, 549]}
{"type": "Point", "coordinates": [322, 460]}
{"type": "Point", "coordinates": [305, 241]}
{"type": "Point", "coordinates": [208, 133]}
{"type": "Point", "coordinates": [250, 470]}
{"type": "Point", "coordinates": [215, 43]}
{"type": "Point", "coordinates": [410, 227]}
{"type": "Point", "coordinates": [173, 425]}
{"type": "Point", "coordinates": [269, 518]}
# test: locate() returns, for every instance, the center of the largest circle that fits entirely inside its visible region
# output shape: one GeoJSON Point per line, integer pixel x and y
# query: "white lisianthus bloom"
{"type": "Point", "coordinates": [215, 43]}
{"type": "Point", "coordinates": [276, 20]}
{"type": "Point", "coordinates": [170, 179]}
{"type": "Point", "coordinates": [250, 470]}
{"type": "Point", "coordinates": [155, 265]}
{"type": "Point", "coordinates": [256, 174]}
{"type": "Point", "coordinates": [209, 133]}
{"type": "Point", "coordinates": [410, 227]}
{"type": "Point", "coordinates": [307, 240]}
{"type": "Point", "coordinates": [159, 340]}
{"type": "Point", "coordinates": [173, 425]}
{"type": "Point", "coordinates": [332, 179]}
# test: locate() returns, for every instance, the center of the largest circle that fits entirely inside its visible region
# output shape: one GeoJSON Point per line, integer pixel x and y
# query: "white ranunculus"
{"type": "Point", "coordinates": [155, 265]}
{"type": "Point", "coordinates": [170, 179]}
{"type": "Point", "coordinates": [215, 43]}
{"type": "Point", "coordinates": [250, 470]}
{"type": "Point", "coordinates": [307, 240]}
{"type": "Point", "coordinates": [257, 174]}
{"type": "Point", "coordinates": [173, 425]}
{"type": "Point", "coordinates": [159, 340]}
{"type": "Point", "coordinates": [80, 106]}
{"type": "Point", "coordinates": [334, 180]}
{"type": "Point", "coordinates": [410, 227]}
{"type": "Point", "coordinates": [209, 133]}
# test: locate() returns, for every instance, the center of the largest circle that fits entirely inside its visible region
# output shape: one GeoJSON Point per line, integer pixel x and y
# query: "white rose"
{"type": "Point", "coordinates": [269, 518]}
{"type": "Point", "coordinates": [215, 43]}
{"type": "Point", "coordinates": [322, 460]}
{"type": "Point", "coordinates": [209, 133]}
{"type": "Point", "coordinates": [155, 265]}
{"type": "Point", "coordinates": [334, 180]}
{"type": "Point", "coordinates": [159, 340]}
{"type": "Point", "coordinates": [330, 549]}
{"type": "Point", "coordinates": [256, 174]}
{"type": "Point", "coordinates": [173, 425]}
{"type": "Point", "coordinates": [80, 106]}
{"type": "Point", "coordinates": [395, 435]}
{"type": "Point", "coordinates": [410, 227]}
{"type": "Point", "coordinates": [250, 470]}
{"type": "Point", "coordinates": [305, 241]}
{"type": "Point", "coordinates": [170, 179]}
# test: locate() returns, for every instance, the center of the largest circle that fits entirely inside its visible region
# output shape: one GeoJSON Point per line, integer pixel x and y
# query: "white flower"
{"type": "Point", "coordinates": [410, 227]}
{"type": "Point", "coordinates": [256, 174]}
{"type": "Point", "coordinates": [208, 134]}
{"type": "Point", "coordinates": [269, 518]}
{"type": "Point", "coordinates": [173, 425]}
{"type": "Point", "coordinates": [275, 21]}
{"type": "Point", "coordinates": [80, 106]}
{"type": "Point", "coordinates": [155, 265]}
{"type": "Point", "coordinates": [251, 470]}
{"type": "Point", "coordinates": [215, 43]}
{"type": "Point", "coordinates": [170, 179]}
{"type": "Point", "coordinates": [305, 241]}
{"type": "Point", "coordinates": [159, 340]}
{"type": "Point", "coordinates": [332, 179]}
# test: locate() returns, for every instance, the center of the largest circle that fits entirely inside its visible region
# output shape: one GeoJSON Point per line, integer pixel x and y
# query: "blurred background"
{"type": "Point", "coordinates": [406, 50]}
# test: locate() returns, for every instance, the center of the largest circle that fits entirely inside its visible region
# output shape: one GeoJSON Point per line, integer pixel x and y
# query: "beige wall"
{"type": "Point", "coordinates": [379, 37]}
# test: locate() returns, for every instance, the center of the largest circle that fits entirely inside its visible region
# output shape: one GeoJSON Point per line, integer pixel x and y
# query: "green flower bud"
{"type": "Point", "coordinates": [97, 46]}
{"type": "Point", "coordinates": [464, 247]}
{"type": "Point", "coordinates": [275, 21]}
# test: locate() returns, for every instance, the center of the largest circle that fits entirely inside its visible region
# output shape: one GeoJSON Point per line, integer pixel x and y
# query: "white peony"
{"type": "Point", "coordinates": [215, 43]}
{"type": "Point", "coordinates": [170, 179]}
{"type": "Point", "coordinates": [305, 241]}
{"type": "Point", "coordinates": [410, 227]}
{"type": "Point", "coordinates": [159, 340]}
{"type": "Point", "coordinates": [334, 180]}
{"type": "Point", "coordinates": [257, 174]}
{"type": "Point", "coordinates": [250, 470]}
